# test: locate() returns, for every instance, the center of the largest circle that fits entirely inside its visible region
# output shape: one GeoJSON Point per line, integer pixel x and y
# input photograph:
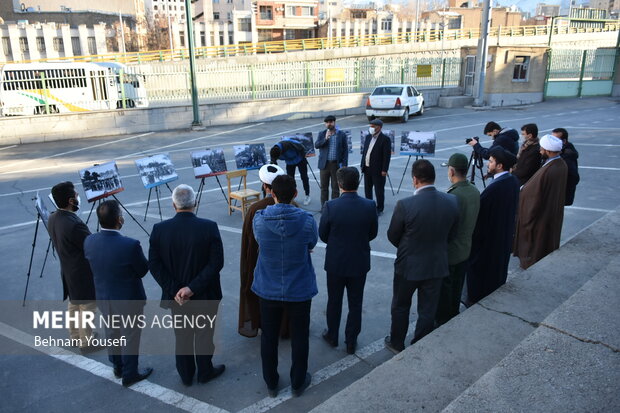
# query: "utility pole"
{"type": "Point", "coordinates": [120, 18]}
{"type": "Point", "coordinates": [196, 124]}
{"type": "Point", "coordinates": [170, 33]}
{"type": "Point", "coordinates": [417, 20]}
{"type": "Point", "coordinates": [483, 48]}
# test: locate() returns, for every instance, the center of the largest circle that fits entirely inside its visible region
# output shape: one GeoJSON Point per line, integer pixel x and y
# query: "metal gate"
{"type": "Point", "coordinates": [577, 73]}
{"type": "Point", "coordinates": [470, 72]}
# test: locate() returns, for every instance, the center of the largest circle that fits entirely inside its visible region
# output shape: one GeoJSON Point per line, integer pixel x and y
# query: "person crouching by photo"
{"type": "Point", "coordinates": [284, 279]}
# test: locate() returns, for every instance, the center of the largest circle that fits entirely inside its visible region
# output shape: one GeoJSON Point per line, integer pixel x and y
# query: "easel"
{"type": "Point", "coordinates": [201, 187]}
{"type": "Point", "coordinates": [148, 201]}
{"type": "Point", "coordinates": [98, 201]}
{"type": "Point", "coordinates": [34, 243]}
{"type": "Point", "coordinates": [312, 170]}
{"type": "Point", "coordinates": [405, 171]}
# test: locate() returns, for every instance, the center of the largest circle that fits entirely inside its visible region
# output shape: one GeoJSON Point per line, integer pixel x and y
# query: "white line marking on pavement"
{"type": "Point", "coordinates": [187, 141]}
{"type": "Point", "coordinates": [598, 144]}
{"type": "Point", "coordinates": [589, 209]}
{"type": "Point", "coordinates": [74, 151]}
{"type": "Point", "coordinates": [155, 391]}
{"type": "Point", "coordinates": [588, 127]}
{"type": "Point", "coordinates": [601, 168]}
{"type": "Point", "coordinates": [7, 147]}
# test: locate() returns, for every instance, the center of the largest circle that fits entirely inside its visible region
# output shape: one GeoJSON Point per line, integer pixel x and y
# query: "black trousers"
{"type": "Point", "coordinates": [194, 347]}
{"type": "Point", "coordinates": [355, 295]}
{"type": "Point", "coordinates": [271, 317]}
{"type": "Point", "coordinates": [428, 296]}
{"type": "Point", "coordinates": [327, 174]}
{"type": "Point", "coordinates": [451, 291]}
{"type": "Point", "coordinates": [303, 173]}
{"type": "Point", "coordinates": [378, 182]}
{"type": "Point", "coordinates": [124, 358]}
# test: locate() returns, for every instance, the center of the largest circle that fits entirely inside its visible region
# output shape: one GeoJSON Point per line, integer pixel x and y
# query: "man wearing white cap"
{"type": "Point", "coordinates": [541, 206]}
{"type": "Point", "coordinates": [249, 312]}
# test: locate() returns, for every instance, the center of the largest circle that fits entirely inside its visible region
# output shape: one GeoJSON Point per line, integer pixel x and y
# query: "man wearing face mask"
{"type": "Point", "coordinates": [333, 154]}
{"type": "Point", "coordinates": [68, 233]}
{"type": "Point", "coordinates": [541, 206]}
{"type": "Point", "coordinates": [493, 234]}
{"type": "Point", "coordinates": [375, 162]}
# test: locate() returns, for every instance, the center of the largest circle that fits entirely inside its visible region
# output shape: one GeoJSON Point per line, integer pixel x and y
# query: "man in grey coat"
{"type": "Point", "coordinates": [421, 227]}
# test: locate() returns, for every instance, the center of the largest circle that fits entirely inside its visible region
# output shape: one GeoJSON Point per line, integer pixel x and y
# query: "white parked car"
{"type": "Point", "coordinates": [398, 101]}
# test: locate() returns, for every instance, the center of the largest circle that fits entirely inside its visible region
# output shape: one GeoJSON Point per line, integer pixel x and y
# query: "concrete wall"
{"type": "Point", "coordinates": [615, 91]}
{"type": "Point", "coordinates": [31, 129]}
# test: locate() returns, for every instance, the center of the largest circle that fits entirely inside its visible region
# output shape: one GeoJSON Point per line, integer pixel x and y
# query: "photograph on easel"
{"type": "Point", "coordinates": [390, 134]}
{"type": "Point", "coordinates": [347, 132]}
{"type": "Point", "coordinates": [42, 210]}
{"type": "Point", "coordinates": [100, 181]}
{"type": "Point", "coordinates": [208, 162]}
{"type": "Point", "coordinates": [250, 156]}
{"type": "Point", "coordinates": [156, 170]}
{"type": "Point", "coordinates": [306, 140]}
{"type": "Point", "coordinates": [417, 143]}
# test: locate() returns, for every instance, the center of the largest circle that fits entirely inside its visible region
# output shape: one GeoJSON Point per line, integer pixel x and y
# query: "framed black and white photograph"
{"type": "Point", "coordinates": [208, 162]}
{"type": "Point", "coordinates": [156, 170]}
{"type": "Point", "coordinates": [390, 134]}
{"type": "Point", "coordinates": [417, 143]}
{"type": "Point", "coordinates": [306, 140]}
{"type": "Point", "coordinates": [347, 132]}
{"type": "Point", "coordinates": [250, 156]}
{"type": "Point", "coordinates": [101, 181]}
{"type": "Point", "coordinates": [41, 209]}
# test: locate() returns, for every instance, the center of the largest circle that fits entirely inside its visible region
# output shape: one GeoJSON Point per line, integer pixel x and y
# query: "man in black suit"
{"type": "Point", "coordinates": [118, 265]}
{"type": "Point", "coordinates": [421, 227]}
{"type": "Point", "coordinates": [68, 233]}
{"type": "Point", "coordinates": [347, 226]}
{"type": "Point", "coordinates": [333, 154]}
{"type": "Point", "coordinates": [376, 162]}
{"type": "Point", "coordinates": [185, 258]}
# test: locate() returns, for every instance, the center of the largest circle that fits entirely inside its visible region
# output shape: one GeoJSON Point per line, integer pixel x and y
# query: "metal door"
{"type": "Point", "coordinates": [470, 71]}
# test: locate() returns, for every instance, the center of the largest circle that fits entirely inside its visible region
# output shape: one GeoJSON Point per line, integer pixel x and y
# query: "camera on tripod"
{"type": "Point", "coordinates": [471, 139]}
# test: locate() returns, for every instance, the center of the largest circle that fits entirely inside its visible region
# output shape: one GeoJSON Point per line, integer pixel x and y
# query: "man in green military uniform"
{"type": "Point", "coordinates": [459, 248]}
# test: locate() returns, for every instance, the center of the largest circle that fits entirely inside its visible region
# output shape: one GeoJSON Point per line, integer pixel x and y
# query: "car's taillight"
{"type": "Point", "coordinates": [368, 102]}
{"type": "Point", "coordinates": [397, 103]}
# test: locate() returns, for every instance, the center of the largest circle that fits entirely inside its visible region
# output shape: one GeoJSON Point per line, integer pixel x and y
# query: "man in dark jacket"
{"type": "Point", "coordinates": [570, 156]}
{"type": "Point", "coordinates": [507, 138]}
{"type": "Point", "coordinates": [293, 153]}
{"type": "Point", "coordinates": [118, 265]}
{"type": "Point", "coordinates": [528, 159]}
{"type": "Point", "coordinates": [347, 226]}
{"type": "Point", "coordinates": [421, 227]}
{"type": "Point", "coordinates": [185, 258]}
{"type": "Point", "coordinates": [495, 228]}
{"type": "Point", "coordinates": [68, 233]}
{"type": "Point", "coordinates": [284, 279]}
{"type": "Point", "coordinates": [333, 154]}
{"type": "Point", "coordinates": [376, 162]}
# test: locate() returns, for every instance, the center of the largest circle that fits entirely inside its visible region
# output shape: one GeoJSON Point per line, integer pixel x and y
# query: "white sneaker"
{"type": "Point", "coordinates": [307, 200]}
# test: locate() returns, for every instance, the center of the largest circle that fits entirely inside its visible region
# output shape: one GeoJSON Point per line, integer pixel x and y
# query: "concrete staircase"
{"type": "Point", "coordinates": [548, 340]}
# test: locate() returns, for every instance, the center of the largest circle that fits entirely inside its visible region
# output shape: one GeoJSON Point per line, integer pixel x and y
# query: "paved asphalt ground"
{"type": "Point", "coordinates": [34, 381]}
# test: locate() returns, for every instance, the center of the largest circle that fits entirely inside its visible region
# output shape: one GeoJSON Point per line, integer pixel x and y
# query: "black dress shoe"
{"type": "Point", "coordinates": [392, 347]}
{"type": "Point", "coordinates": [118, 372]}
{"type": "Point", "coordinates": [272, 392]}
{"type": "Point", "coordinates": [379, 213]}
{"type": "Point", "coordinates": [328, 339]}
{"type": "Point", "coordinates": [215, 372]}
{"type": "Point", "coordinates": [138, 377]}
{"type": "Point", "coordinates": [351, 347]}
{"type": "Point", "coordinates": [298, 392]}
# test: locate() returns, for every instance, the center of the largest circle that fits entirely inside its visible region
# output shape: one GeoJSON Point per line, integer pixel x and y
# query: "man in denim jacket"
{"type": "Point", "coordinates": [284, 278]}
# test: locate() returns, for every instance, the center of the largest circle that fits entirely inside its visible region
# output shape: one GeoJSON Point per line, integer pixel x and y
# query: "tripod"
{"type": "Point", "coordinates": [148, 201]}
{"type": "Point", "coordinates": [312, 170]}
{"type": "Point", "coordinates": [476, 163]}
{"type": "Point", "coordinates": [201, 187]}
{"type": "Point", "coordinates": [34, 244]}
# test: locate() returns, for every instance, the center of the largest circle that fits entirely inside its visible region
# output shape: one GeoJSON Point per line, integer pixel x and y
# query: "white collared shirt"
{"type": "Point", "coordinates": [111, 230]}
{"type": "Point", "coordinates": [423, 187]}
{"type": "Point", "coordinates": [371, 145]}
{"type": "Point", "coordinates": [499, 174]}
{"type": "Point", "coordinates": [551, 159]}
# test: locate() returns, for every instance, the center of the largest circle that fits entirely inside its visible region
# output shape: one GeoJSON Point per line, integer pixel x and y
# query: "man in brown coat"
{"type": "Point", "coordinates": [249, 311]}
{"type": "Point", "coordinates": [529, 154]}
{"type": "Point", "coordinates": [541, 206]}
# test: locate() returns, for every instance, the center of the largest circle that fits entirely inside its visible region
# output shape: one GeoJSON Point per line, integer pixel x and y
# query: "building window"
{"type": "Point", "coordinates": [229, 16]}
{"type": "Point", "coordinates": [216, 15]}
{"type": "Point", "coordinates": [266, 13]}
{"type": "Point", "coordinates": [182, 38]}
{"type": "Point", "coordinates": [23, 44]}
{"type": "Point", "coordinates": [92, 45]}
{"type": "Point", "coordinates": [386, 24]}
{"type": "Point", "coordinates": [59, 44]}
{"type": "Point", "coordinates": [521, 69]}
{"type": "Point", "coordinates": [307, 11]}
{"type": "Point", "coordinates": [245, 24]}
{"type": "Point", "coordinates": [203, 38]}
{"type": "Point", "coordinates": [290, 11]}
{"type": "Point", "coordinates": [40, 44]}
{"type": "Point", "coordinates": [155, 7]}
{"type": "Point", "coordinates": [75, 45]}
{"type": "Point", "coordinates": [222, 38]}
{"type": "Point", "coordinates": [6, 45]}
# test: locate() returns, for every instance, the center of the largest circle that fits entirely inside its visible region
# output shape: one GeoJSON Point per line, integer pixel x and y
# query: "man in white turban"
{"type": "Point", "coordinates": [541, 206]}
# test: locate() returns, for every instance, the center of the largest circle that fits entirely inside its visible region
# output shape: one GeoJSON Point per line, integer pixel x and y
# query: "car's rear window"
{"type": "Point", "coordinates": [387, 91]}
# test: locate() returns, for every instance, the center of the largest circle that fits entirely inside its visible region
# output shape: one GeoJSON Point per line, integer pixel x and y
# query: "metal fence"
{"type": "Point", "coordinates": [169, 82]}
